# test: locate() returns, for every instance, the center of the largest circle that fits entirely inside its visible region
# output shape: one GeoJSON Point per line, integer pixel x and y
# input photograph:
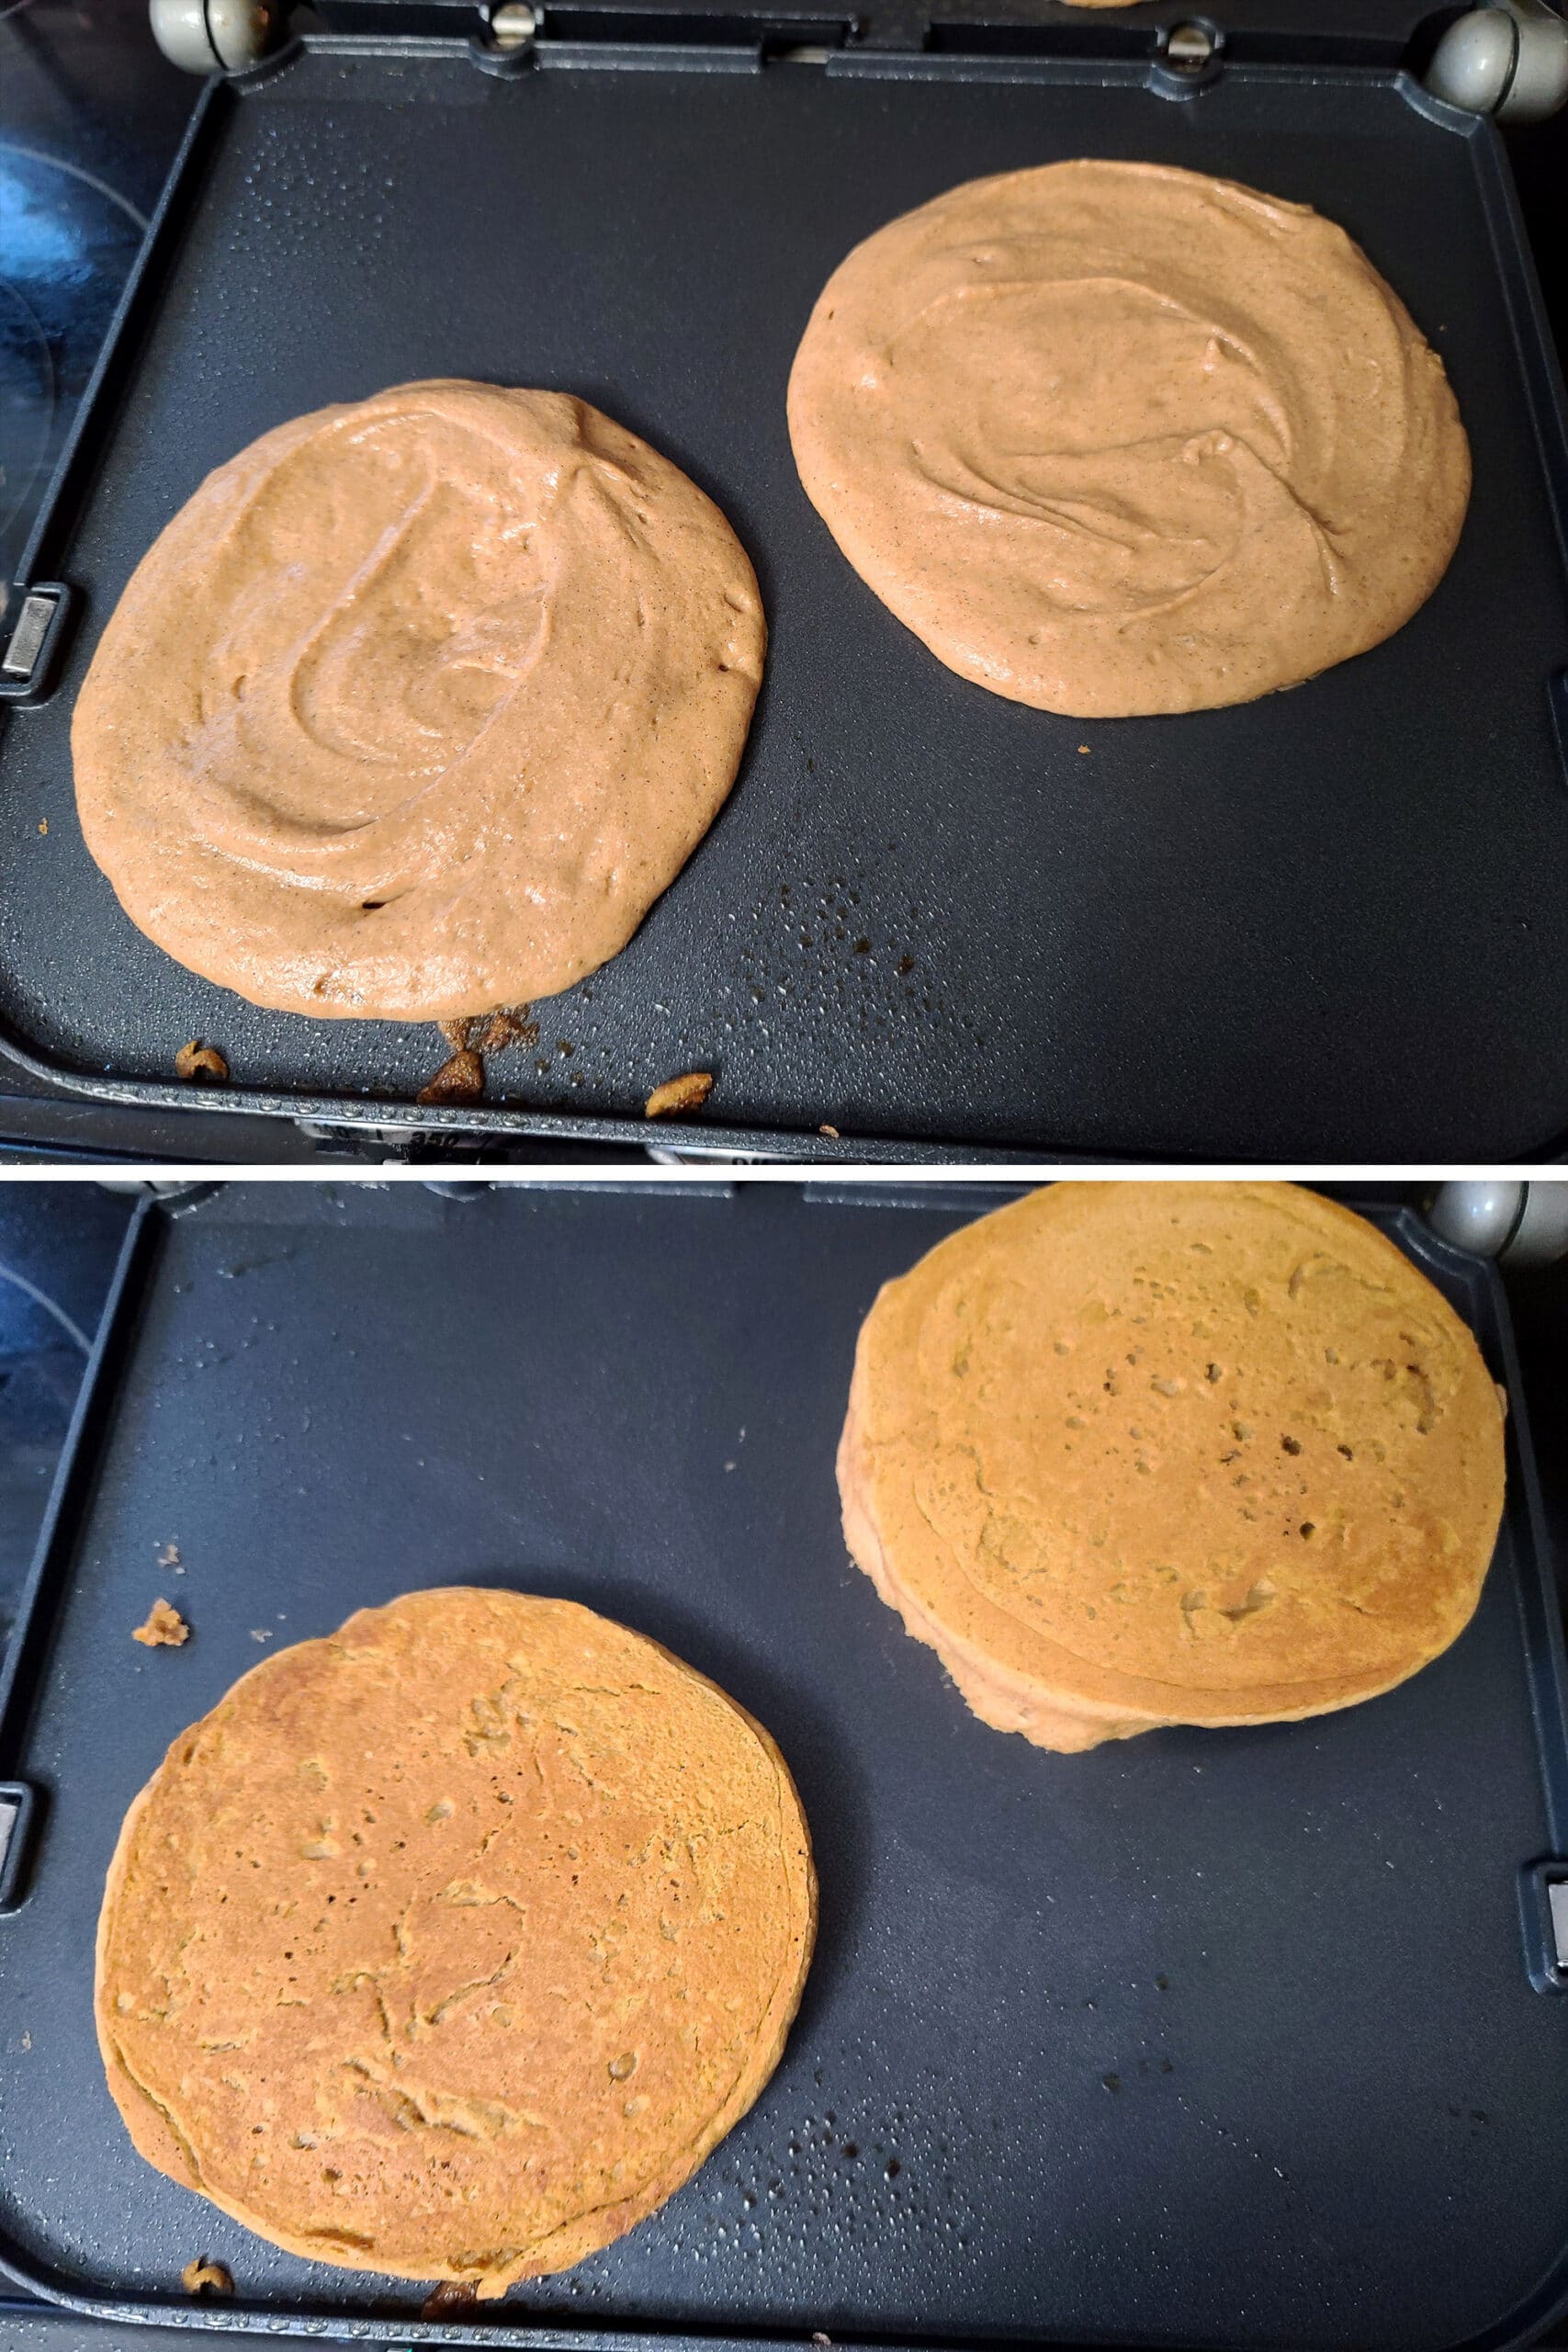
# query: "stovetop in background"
{"type": "Point", "coordinates": [90, 117]}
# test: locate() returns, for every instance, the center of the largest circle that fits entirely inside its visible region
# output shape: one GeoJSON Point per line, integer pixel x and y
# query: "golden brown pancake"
{"type": "Point", "coordinates": [419, 703]}
{"type": "Point", "coordinates": [449, 1946]}
{"type": "Point", "coordinates": [1113, 438]}
{"type": "Point", "coordinates": [1131, 1455]}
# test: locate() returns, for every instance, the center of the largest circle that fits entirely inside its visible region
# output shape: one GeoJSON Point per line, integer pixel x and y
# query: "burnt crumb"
{"type": "Point", "coordinates": [164, 1628]}
{"type": "Point", "coordinates": [904, 967]}
{"type": "Point", "coordinates": [510, 1026]}
{"type": "Point", "coordinates": [469, 1039]}
{"type": "Point", "coordinates": [453, 2296]}
{"type": "Point", "coordinates": [894, 2167]}
{"type": "Point", "coordinates": [201, 1065]}
{"type": "Point", "coordinates": [460, 1079]}
{"type": "Point", "coordinates": [851, 2149]}
{"type": "Point", "coordinates": [1112, 2082]}
{"type": "Point", "coordinates": [204, 2277]}
{"type": "Point", "coordinates": [687, 1093]}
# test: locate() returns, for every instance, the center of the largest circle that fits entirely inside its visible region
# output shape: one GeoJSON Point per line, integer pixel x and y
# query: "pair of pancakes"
{"type": "Point", "coordinates": [421, 701]}
{"type": "Point", "coordinates": [450, 1947]}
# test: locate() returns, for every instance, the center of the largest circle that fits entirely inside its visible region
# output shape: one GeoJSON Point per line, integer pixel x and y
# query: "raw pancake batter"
{"type": "Point", "coordinates": [419, 703]}
{"type": "Point", "coordinates": [1113, 438]}
{"type": "Point", "coordinates": [451, 1946]}
{"type": "Point", "coordinates": [1131, 1454]}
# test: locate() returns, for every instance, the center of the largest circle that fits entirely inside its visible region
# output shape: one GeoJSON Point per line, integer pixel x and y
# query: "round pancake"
{"type": "Point", "coordinates": [1113, 438]}
{"type": "Point", "coordinates": [1131, 1454]}
{"type": "Point", "coordinates": [419, 703]}
{"type": "Point", "coordinates": [450, 1946]}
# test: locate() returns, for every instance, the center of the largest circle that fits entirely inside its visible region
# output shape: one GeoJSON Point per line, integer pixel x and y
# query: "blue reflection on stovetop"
{"type": "Point", "coordinates": [66, 247]}
{"type": "Point", "coordinates": [90, 117]}
{"type": "Point", "coordinates": [59, 1244]}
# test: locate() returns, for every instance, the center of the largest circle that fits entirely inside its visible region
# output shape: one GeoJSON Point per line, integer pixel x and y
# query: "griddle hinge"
{"type": "Point", "coordinates": [1180, 57]}
{"type": "Point", "coordinates": [795, 36]}
{"type": "Point", "coordinates": [507, 37]}
{"type": "Point", "coordinates": [1543, 1909]}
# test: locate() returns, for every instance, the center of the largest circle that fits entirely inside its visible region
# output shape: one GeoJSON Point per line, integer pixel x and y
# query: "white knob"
{"type": "Point", "coordinates": [216, 36]}
{"type": "Point", "coordinates": [1477, 1217]}
{"type": "Point", "coordinates": [1508, 57]}
{"type": "Point", "coordinates": [1524, 1225]}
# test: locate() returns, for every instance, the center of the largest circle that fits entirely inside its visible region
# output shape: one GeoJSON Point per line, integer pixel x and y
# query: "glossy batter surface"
{"type": "Point", "coordinates": [1128, 1453]}
{"type": "Point", "coordinates": [450, 1946]}
{"type": "Point", "coordinates": [1113, 438]}
{"type": "Point", "coordinates": [418, 705]}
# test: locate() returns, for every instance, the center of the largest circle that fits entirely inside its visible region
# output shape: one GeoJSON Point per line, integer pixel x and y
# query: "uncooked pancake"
{"type": "Point", "coordinates": [449, 1946]}
{"type": "Point", "coordinates": [419, 703]}
{"type": "Point", "coordinates": [1131, 1454]}
{"type": "Point", "coordinates": [1113, 438]}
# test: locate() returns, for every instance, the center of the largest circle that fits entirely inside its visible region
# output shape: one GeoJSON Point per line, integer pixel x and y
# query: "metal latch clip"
{"type": "Point", "coordinates": [34, 641]}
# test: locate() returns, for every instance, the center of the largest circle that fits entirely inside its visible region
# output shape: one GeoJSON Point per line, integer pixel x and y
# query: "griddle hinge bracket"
{"type": "Point", "coordinates": [1179, 58]}
{"type": "Point", "coordinates": [1543, 1909]}
{"type": "Point", "coordinates": [519, 32]}
{"type": "Point", "coordinates": [1191, 58]}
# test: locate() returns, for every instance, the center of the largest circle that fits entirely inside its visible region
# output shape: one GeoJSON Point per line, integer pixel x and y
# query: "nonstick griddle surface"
{"type": "Point", "coordinates": [1332, 922]}
{"type": "Point", "coordinates": [1202, 2038]}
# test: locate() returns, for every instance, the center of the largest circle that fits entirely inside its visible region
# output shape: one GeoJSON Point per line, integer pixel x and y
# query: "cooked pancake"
{"type": "Point", "coordinates": [450, 1946]}
{"type": "Point", "coordinates": [416, 707]}
{"type": "Point", "coordinates": [1131, 1455]}
{"type": "Point", "coordinates": [1115, 439]}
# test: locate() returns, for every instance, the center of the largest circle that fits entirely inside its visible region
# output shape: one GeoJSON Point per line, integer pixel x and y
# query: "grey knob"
{"type": "Point", "coordinates": [1524, 1225]}
{"type": "Point", "coordinates": [1539, 85]}
{"type": "Point", "coordinates": [216, 36]}
{"type": "Point", "coordinates": [1477, 1217]}
{"type": "Point", "coordinates": [1540, 1237]}
{"type": "Point", "coordinates": [1508, 57]}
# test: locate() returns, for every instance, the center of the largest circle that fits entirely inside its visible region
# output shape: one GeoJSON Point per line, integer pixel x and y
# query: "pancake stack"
{"type": "Point", "coordinates": [1129, 1455]}
{"type": "Point", "coordinates": [451, 1946]}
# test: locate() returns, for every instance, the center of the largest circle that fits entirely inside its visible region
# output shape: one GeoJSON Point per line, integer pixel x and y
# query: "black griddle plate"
{"type": "Point", "coordinates": [1332, 923]}
{"type": "Point", "coordinates": [1205, 2039]}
